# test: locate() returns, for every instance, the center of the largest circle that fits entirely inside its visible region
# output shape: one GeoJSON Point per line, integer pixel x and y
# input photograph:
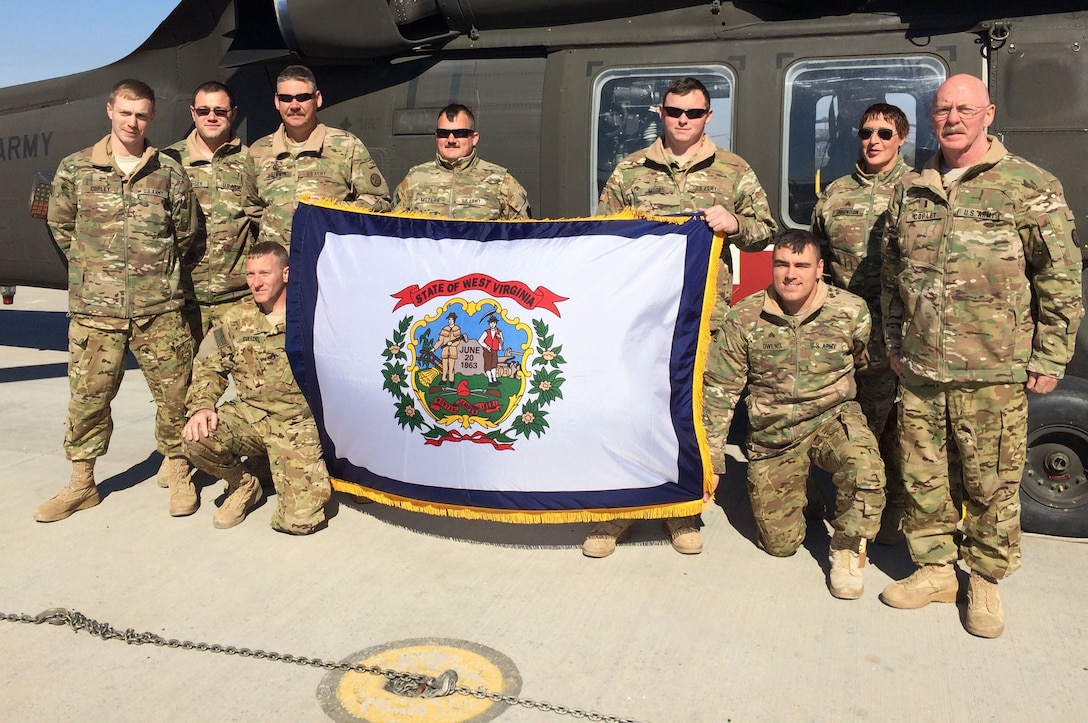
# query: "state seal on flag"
{"type": "Point", "coordinates": [472, 371]}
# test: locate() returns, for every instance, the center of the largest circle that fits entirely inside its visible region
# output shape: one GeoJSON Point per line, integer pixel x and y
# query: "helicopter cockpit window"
{"type": "Point", "coordinates": [824, 100]}
{"type": "Point", "coordinates": [626, 117]}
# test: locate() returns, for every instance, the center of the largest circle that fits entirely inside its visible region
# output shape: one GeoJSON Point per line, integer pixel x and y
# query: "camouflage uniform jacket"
{"type": "Point", "coordinates": [229, 214]}
{"type": "Point", "coordinates": [799, 369]}
{"type": "Point", "coordinates": [248, 348]}
{"type": "Point", "coordinates": [332, 164]}
{"type": "Point", "coordinates": [981, 279]}
{"type": "Point", "coordinates": [849, 218]}
{"type": "Point", "coordinates": [469, 188]}
{"type": "Point", "coordinates": [649, 182]}
{"type": "Point", "coordinates": [124, 236]}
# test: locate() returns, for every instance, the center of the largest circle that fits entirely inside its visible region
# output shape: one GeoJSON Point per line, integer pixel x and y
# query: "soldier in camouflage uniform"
{"type": "Point", "coordinates": [269, 416]}
{"type": "Point", "coordinates": [304, 156]}
{"type": "Point", "coordinates": [982, 301]}
{"type": "Point", "coordinates": [125, 216]}
{"type": "Point", "coordinates": [684, 172]}
{"type": "Point", "coordinates": [458, 183]}
{"type": "Point", "coordinates": [849, 218]}
{"type": "Point", "coordinates": [797, 345]}
{"type": "Point", "coordinates": [217, 164]}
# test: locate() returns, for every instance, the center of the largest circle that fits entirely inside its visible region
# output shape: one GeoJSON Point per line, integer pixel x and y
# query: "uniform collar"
{"type": "Point", "coordinates": [458, 165]}
{"type": "Point", "coordinates": [657, 153]}
{"type": "Point", "coordinates": [196, 154]}
{"type": "Point", "coordinates": [313, 144]}
{"type": "Point", "coordinates": [772, 306]}
{"type": "Point", "coordinates": [897, 169]}
{"type": "Point", "coordinates": [102, 154]}
{"type": "Point", "coordinates": [930, 174]}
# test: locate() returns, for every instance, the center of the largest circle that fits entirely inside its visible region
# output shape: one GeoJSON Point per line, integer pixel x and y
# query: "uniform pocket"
{"type": "Point", "coordinates": [1055, 245]}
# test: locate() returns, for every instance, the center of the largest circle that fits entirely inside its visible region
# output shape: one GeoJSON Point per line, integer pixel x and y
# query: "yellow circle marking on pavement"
{"type": "Point", "coordinates": [363, 695]}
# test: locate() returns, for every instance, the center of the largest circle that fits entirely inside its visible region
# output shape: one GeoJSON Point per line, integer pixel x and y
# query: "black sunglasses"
{"type": "Point", "coordinates": [455, 132]}
{"type": "Point", "coordinates": [692, 113]}
{"type": "Point", "coordinates": [300, 97]}
{"type": "Point", "coordinates": [885, 134]}
{"type": "Point", "coordinates": [217, 112]}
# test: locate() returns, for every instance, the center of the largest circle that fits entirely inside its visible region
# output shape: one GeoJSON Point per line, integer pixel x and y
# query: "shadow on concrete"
{"type": "Point", "coordinates": [893, 560]}
{"type": "Point", "coordinates": [35, 329]}
{"type": "Point", "coordinates": [45, 330]}
{"type": "Point", "coordinates": [31, 373]}
{"type": "Point", "coordinates": [131, 477]}
{"type": "Point", "coordinates": [493, 533]}
{"type": "Point", "coordinates": [49, 371]}
{"type": "Point", "coordinates": [732, 497]}
{"type": "Point", "coordinates": [817, 540]}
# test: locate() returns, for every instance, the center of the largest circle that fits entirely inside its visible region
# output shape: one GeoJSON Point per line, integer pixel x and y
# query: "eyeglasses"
{"type": "Point", "coordinates": [692, 113]}
{"type": "Point", "coordinates": [300, 97]}
{"type": "Point", "coordinates": [964, 111]}
{"type": "Point", "coordinates": [217, 112]}
{"type": "Point", "coordinates": [884, 134]}
{"type": "Point", "coordinates": [455, 132]}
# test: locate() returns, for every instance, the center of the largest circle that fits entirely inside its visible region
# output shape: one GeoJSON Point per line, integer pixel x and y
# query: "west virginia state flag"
{"type": "Point", "coordinates": [536, 371]}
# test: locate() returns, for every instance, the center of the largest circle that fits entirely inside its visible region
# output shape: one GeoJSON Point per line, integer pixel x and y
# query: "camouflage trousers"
{"type": "Point", "coordinates": [877, 389]}
{"type": "Point", "coordinates": [964, 444]}
{"type": "Point", "coordinates": [96, 364]}
{"type": "Point", "coordinates": [200, 317]}
{"type": "Point", "coordinates": [844, 446]}
{"type": "Point", "coordinates": [294, 455]}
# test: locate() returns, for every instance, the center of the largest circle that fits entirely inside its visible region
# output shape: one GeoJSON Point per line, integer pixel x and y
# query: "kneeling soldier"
{"type": "Point", "coordinates": [797, 345]}
{"type": "Point", "coordinates": [269, 416]}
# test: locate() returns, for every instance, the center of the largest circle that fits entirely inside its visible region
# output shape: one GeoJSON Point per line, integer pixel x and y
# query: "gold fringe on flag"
{"type": "Point", "coordinates": [710, 297]}
{"type": "Point", "coordinates": [627, 214]}
{"type": "Point", "coordinates": [523, 517]}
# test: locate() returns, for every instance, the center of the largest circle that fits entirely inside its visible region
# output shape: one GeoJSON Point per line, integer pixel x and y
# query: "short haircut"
{"type": "Point", "coordinates": [796, 240]}
{"type": "Point", "coordinates": [132, 89]}
{"type": "Point", "coordinates": [890, 113]}
{"type": "Point", "coordinates": [264, 248]}
{"type": "Point", "coordinates": [452, 110]}
{"type": "Point", "coordinates": [297, 72]}
{"type": "Point", "coordinates": [213, 86]}
{"type": "Point", "coordinates": [683, 86]}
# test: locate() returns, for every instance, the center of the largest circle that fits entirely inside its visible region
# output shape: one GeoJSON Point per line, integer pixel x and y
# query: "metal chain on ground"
{"type": "Point", "coordinates": [78, 621]}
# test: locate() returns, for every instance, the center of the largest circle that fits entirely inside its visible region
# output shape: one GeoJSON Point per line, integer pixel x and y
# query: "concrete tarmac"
{"type": "Point", "coordinates": [646, 634]}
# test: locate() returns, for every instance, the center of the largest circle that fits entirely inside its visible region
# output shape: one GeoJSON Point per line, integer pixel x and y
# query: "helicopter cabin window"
{"type": "Point", "coordinates": [626, 116]}
{"type": "Point", "coordinates": [824, 100]}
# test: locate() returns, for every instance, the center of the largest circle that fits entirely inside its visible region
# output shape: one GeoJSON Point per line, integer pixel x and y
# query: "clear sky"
{"type": "Point", "coordinates": [47, 38]}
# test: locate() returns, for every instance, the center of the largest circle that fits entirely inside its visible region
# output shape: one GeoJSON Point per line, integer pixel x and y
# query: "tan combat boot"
{"type": "Point", "coordinates": [243, 493]}
{"type": "Point", "coordinates": [685, 535]}
{"type": "Point", "coordinates": [80, 493]}
{"type": "Point", "coordinates": [985, 616]}
{"type": "Point", "coordinates": [163, 475]}
{"type": "Point", "coordinates": [928, 584]}
{"type": "Point", "coordinates": [602, 539]}
{"type": "Point", "coordinates": [183, 498]}
{"type": "Point", "coordinates": [847, 560]}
